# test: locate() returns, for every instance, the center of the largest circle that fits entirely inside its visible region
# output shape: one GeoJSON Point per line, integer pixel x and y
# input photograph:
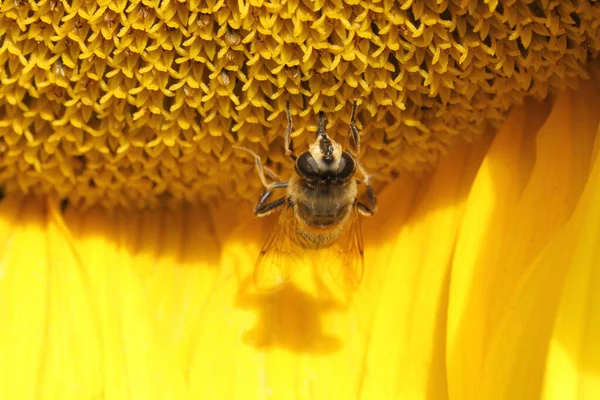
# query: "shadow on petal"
{"type": "Point", "coordinates": [290, 319]}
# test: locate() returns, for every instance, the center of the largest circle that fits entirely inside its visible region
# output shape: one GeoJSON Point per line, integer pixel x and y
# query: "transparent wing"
{"type": "Point", "coordinates": [280, 257]}
{"type": "Point", "coordinates": [345, 258]}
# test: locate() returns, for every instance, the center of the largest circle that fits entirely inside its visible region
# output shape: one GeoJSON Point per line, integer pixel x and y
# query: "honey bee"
{"type": "Point", "coordinates": [319, 210]}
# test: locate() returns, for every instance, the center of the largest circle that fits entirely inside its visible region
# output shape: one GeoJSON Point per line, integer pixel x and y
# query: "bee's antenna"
{"type": "Point", "coordinates": [321, 124]}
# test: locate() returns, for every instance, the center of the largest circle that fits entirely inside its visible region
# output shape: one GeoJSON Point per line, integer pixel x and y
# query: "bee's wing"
{"type": "Point", "coordinates": [345, 258]}
{"type": "Point", "coordinates": [280, 257]}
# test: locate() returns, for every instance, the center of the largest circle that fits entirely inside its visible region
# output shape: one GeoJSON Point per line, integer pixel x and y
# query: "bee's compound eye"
{"type": "Point", "coordinates": [307, 167]}
{"type": "Point", "coordinates": [346, 168]}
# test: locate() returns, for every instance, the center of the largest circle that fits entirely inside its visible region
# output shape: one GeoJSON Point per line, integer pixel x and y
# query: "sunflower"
{"type": "Point", "coordinates": [126, 233]}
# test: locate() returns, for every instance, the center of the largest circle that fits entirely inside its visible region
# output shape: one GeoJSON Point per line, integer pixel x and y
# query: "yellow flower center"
{"type": "Point", "coordinates": [131, 103]}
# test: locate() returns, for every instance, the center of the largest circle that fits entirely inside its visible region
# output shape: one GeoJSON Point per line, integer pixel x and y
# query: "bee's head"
{"type": "Point", "coordinates": [325, 160]}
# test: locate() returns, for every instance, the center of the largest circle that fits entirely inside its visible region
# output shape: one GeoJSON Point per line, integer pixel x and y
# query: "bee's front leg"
{"type": "Point", "coordinates": [365, 209]}
{"type": "Point", "coordinates": [353, 132]}
{"type": "Point", "coordinates": [288, 132]}
{"type": "Point", "coordinates": [369, 209]}
{"type": "Point", "coordinates": [263, 208]}
{"type": "Point", "coordinates": [260, 169]}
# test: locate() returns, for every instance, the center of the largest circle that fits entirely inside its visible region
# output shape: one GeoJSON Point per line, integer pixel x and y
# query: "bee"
{"type": "Point", "coordinates": [319, 210]}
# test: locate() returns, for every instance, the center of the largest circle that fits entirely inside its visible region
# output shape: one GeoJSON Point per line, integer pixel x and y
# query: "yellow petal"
{"type": "Point", "coordinates": [573, 365]}
{"type": "Point", "coordinates": [500, 180]}
{"type": "Point", "coordinates": [22, 299]}
{"type": "Point", "coordinates": [76, 323]}
{"type": "Point", "coordinates": [520, 200]}
{"type": "Point", "coordinates": [405, 357]}
{"type": "Point", "coordinates": [518, 352]}
{"type": "Point", "coordinates": [49, 341]}
{"type": "Point", "coordinates": [135, 363]}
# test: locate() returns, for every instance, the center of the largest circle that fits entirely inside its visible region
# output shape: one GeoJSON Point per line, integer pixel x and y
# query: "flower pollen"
{"type": "Point", "coordinates": [128, 103]}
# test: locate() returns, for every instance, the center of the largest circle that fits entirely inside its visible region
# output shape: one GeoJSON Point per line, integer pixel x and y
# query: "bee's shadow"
{"type": "Point", "coordinates": [289, 319]}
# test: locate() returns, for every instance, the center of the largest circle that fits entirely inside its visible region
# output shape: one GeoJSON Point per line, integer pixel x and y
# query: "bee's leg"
{"type": "Point", "coordinates": [354, 132]}
{"type": "Point", "coordinates": [260, 169]}
{"type": "Point", "coordinates": [271, 174]}
{"type": "Point", "coordinates": [288, 131]}
{"type": "Point", "coordinates": [370, 209]}
{"type": "Point", "coordinates": [263, 208]}
{"type": "Point", "coordinates": [364, 209]}
{"type": "Point", "coordinates": [372, 206]}
{"type": "Point", "coordinates": [361, 181]}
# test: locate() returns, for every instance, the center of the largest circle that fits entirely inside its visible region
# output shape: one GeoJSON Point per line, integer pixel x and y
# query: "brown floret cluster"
{"type": "Point", "coordinates": [132, 102]}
